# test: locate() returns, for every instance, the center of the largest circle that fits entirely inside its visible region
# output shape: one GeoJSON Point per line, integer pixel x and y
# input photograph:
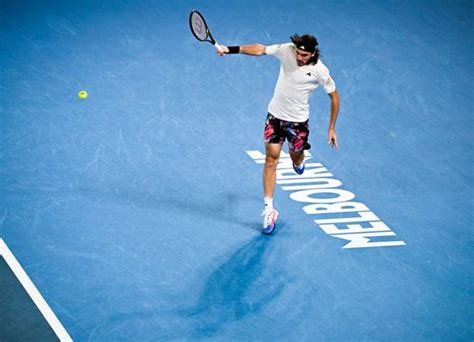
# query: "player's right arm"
{"type": "Point", "coordinates": [252, 50]}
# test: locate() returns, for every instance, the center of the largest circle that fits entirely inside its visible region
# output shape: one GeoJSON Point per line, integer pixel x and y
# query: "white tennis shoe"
{"type": "Point", "coordinates": [269, 221]}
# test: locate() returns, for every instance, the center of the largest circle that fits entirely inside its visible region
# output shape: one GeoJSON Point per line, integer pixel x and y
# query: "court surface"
{"type": "Point", "coordinates": [135, 212]}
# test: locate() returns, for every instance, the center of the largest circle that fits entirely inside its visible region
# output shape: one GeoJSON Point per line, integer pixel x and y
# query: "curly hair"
{"type": "Point", "coordinates": [307, 43]}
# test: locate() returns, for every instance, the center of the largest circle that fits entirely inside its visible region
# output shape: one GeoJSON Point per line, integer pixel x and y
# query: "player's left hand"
{"type": "Point", "coordinates": [332, 138]}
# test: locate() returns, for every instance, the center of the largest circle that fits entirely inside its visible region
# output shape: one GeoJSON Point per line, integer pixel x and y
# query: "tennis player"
{"type": "Point", "coordinates": [301, 72]}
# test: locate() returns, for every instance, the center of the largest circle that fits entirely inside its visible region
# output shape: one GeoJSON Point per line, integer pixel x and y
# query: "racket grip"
{"type": "Point", "coordinates": [218, 47]}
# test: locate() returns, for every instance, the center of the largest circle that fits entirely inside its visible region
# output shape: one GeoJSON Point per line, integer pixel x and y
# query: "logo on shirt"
{"type": "Point", "coordinates": [309, 74]}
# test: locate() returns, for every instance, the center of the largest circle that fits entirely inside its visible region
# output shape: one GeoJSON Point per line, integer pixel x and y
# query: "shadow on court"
{"type": "Point", "coordinates": [241, 286]}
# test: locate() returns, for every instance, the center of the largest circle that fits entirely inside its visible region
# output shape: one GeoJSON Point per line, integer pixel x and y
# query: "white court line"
{"type": "Point", "coordinates": [33, 292]}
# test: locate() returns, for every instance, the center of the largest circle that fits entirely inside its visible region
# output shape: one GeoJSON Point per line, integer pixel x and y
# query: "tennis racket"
{"type": "Point", "coordinates": [200, 30]}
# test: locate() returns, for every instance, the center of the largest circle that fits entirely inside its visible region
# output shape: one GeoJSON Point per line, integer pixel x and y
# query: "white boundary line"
{"type": "Point", "coordinates": [33, 292]}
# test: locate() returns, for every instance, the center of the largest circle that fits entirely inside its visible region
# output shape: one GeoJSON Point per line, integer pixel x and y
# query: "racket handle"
{"type": "Point", "coordinates": [218, 47]}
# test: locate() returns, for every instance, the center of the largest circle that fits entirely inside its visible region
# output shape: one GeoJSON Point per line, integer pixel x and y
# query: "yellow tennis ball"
{"type": "Point", "coordinates": [82, 94]}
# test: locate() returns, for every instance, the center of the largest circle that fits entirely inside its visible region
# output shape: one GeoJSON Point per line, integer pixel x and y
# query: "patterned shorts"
{"type": "Point", "coordinates": [276, 131]}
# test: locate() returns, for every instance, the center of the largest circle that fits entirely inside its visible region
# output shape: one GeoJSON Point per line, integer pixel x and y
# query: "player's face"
{"type": "Point", "coordinates": [303, 57]}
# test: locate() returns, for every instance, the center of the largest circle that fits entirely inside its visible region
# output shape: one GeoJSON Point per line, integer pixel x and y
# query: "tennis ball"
{"type": "Point", "coordinates": [82, 94]}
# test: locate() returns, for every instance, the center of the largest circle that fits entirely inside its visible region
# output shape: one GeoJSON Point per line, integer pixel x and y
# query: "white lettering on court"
{"type": "Point", "coordinates": [332, 208]}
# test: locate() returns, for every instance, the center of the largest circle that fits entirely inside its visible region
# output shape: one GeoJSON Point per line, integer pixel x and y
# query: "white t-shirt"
{"type": "Point", "coordinates": [295, 84]}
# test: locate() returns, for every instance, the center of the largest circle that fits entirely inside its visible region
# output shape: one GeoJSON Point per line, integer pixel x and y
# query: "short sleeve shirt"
{"type": "Point", "coordinates": [290, 101]}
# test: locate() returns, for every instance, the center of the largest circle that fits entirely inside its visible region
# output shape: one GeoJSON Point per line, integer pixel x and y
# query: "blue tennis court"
{"type": "Point", "coordinates": [134, 212]}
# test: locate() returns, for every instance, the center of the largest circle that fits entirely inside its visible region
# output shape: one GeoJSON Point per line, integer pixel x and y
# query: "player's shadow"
{"type": "Point", "coordinates": [241, 286]}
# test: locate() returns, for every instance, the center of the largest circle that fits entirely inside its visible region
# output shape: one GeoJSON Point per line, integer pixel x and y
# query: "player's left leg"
{"type": "Point", "coordinates": [297, 135]}
{"type": "Point", "coordinates": [298, 161]}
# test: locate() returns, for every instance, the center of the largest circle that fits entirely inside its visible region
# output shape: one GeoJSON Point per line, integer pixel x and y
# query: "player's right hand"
{"type": "Point", "coordinates": [222, 50]}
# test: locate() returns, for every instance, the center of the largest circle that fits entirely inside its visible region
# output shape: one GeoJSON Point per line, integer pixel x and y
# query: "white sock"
{"type": "Point", "coordinates": [268, 204]}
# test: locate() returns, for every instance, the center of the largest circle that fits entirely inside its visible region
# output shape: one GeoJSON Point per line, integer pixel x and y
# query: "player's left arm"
{"type": "Point", "coordinates": [332, 137]}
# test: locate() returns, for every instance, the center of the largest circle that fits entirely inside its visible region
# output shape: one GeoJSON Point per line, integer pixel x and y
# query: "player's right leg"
{"type": "Point", "coordinates": [270, 214]}
{"type": "Point", "coordinates": [273, 145]}
{"type": "Point", "coordinates": [272, 156]}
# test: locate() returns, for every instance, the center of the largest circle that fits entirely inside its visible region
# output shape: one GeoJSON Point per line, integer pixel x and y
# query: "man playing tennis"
{"type": "Point", "coordinates": [301, 72]}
